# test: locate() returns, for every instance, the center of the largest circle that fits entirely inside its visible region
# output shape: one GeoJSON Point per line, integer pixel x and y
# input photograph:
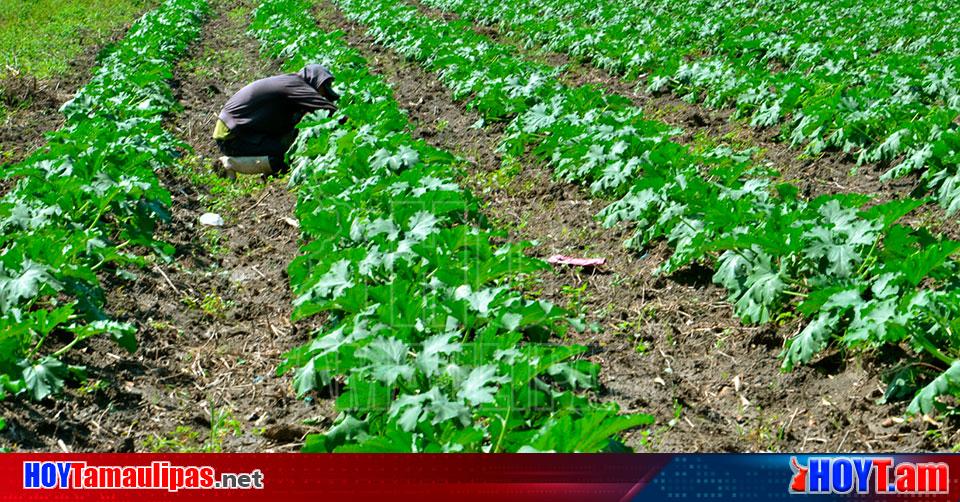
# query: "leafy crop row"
{"type": "Point", "coordinates": [435, 349]}
{"type": "Point", "coordinates": [849, 269]}
{"type": "Point", "coordinates": [84, 204]}
{"type": "Point", "coordinates": [885, 87]}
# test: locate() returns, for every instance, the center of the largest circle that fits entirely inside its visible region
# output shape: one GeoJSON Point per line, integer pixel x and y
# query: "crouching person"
{"type": "Point", "coordinates": [258, 124]}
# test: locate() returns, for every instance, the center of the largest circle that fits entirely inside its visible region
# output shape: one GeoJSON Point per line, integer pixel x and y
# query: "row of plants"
{"type": "Point", "coordinates": [885, 88]}
{"type": "Point", "coordinates": [425, 341]}
{"type": "Point", "coordinates": [856, 277]}
{"type": "Point", "coordinates": [87, 204]}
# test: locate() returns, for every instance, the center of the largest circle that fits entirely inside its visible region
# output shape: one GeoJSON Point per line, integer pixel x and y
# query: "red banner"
{"type": "Point", "coordinates": [498, 478]}
{"type": "Point", "coordinates": [294, 477]}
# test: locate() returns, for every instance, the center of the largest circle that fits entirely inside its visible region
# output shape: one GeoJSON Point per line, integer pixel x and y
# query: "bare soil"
{"type": "Point", "coordinates": [669, 346]}
{"type": "Point", "coordinates": [213, 324]}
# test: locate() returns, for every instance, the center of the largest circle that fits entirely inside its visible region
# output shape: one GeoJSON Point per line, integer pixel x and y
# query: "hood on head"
{"type": "Point", "coordinates": [320, 78]}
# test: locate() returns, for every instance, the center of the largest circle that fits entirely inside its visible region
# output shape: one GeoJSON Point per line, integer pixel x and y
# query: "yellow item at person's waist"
{"type": "Point", "coordinates": [221, 131]}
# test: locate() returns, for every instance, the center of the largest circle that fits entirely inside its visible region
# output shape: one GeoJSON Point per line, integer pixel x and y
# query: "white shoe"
{"type": "Point", "coordinates": [245, 165]}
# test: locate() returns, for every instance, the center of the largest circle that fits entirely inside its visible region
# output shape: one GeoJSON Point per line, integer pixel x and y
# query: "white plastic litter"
{"type": "Point", "coordinates": [211, 220]}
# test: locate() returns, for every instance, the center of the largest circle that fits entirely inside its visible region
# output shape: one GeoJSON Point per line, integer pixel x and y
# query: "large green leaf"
{"type": "Point", "coordinates": [481, 384]}
{"type": "Point", "coordinates": [388, 360]}
{"type": "Point", "coordinates": [948, 382]}
{"type": "Point", "coordinates": [814, 337]}
{"type": "Point", "coordinates": [44, 377]}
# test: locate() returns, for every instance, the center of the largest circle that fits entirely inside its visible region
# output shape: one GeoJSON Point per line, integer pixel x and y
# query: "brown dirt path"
{"type": "Point", "coordinates": [669, 345]}
{"type": "Point", "coordinates": [214, 323]}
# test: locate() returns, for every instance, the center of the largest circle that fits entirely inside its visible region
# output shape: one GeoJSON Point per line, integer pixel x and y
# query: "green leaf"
{"type": "Point", "coordinates": [576, 374]}
{"type": "Point", "coordinates": [331, 285]}
{"type": "Point", "coordinates": [892, 211]}
{"type": "Point", "coordinates": [948, 195]}
{"type": "Point", "coordinates": [388, 358]}
{"type": "Point", "coordinates": [919, 265]}
{"type": "Point", "coordinates": [872, 322]}
{"type": "Point", "coordinates": [410, 410]}
{"type": "Point", "coordinates": [764, 287]}
{"type": "Point", "coordinates": [305, 379]}
{"type": "Point", "coordinates": [948, 382]}
{"type": "Point", "coordinates": [844, 300]}
{"type": "Point", "coordinates": [421, 225]}
{"type": "Point", "coordinates": [810, 341]}
{"type": "Point", "coordinates": [902, 386]}
{"type": "Point", "coordinates": [44, 377]}
{"type": "Point", "coordinates": [593, 432]}
{"type": "Point", "coordinates": [841, 242]}
{"type": "Point", "coordinates": [346, 429]}
{"type": "Point", "coordinates": [46, 320]}
{"type": "Point", "coordinates": [22, 285]}
{"type": "Point", "coordinates": [434, 348]}
{"type": "Point", "coordinates": [481, 384]}
{"type": "Point", "coordinates": [125, 334]}
{"type": "Point", "coordinates": [393, 441]}
{"type": "Point", "coordinates": [363, 396]}
{"type": "Point", "coordinates": [537, 118]}
{"type": "Point", "coordinates": [837, 296]}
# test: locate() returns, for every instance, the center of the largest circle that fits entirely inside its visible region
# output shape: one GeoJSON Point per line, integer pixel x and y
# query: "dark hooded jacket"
{"type": "Point", "coordinates": [273, 106]}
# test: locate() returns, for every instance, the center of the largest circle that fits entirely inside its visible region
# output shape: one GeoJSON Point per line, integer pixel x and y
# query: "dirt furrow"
{"type": "Point", "coordinates": [668, 345]}
{"type": "Point", "coordinates": [213, 323]}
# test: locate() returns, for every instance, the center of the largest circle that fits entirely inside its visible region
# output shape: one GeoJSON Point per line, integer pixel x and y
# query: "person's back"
{"type": "Point", "coordinates": [268, 105]}
{"type": "Point", "coordinates": [258, 124]}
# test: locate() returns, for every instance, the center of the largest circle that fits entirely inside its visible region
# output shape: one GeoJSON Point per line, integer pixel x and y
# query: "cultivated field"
{"type": "Point", "coordinates": [773, 187]}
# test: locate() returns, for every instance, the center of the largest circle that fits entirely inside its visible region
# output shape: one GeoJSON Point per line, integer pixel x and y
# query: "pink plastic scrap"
{"type": "Point", "coordinates": [559, 259]}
